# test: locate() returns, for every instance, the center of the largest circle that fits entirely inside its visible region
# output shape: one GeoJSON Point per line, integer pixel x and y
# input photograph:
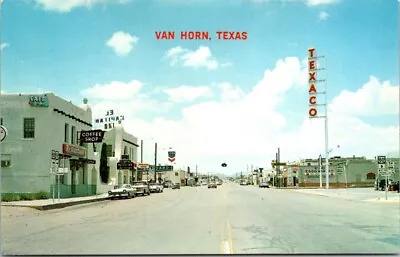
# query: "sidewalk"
{"type": "Point", "coordinates": [48, 204]}
{"type": "Point", "coordinates": [355, 194]}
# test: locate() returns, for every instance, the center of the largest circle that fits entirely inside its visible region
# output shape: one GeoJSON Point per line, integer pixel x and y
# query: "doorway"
{"type": "Point", "coordinates": [73, 182]}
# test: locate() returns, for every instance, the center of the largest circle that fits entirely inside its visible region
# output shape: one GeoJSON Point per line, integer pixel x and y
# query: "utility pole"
{"type": "Point", "coordinates": [155, 162]}
{"type": "Point", "coordinates": [320, 170]}
{"type": "Point", "coordinates": [279, 167]}
{"type": "Point", "coordinates": [141, 151]}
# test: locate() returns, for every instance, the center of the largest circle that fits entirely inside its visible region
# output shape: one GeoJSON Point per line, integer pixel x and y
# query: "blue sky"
{"type": "Point", "coordinates": [66, 52]}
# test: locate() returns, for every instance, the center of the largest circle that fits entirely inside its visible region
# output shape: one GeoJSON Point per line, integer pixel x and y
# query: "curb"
{"type": "Point", "coordinates": [57, 205]}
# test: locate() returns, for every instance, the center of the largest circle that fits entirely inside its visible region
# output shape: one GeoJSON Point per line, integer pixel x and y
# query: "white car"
{"type": "Point", "coordinates": [156, 187]}
{"type": "Point", "coordinates": [124, 190]}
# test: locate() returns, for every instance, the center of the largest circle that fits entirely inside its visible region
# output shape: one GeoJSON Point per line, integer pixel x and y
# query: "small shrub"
{"type": "Point", "coordinates": [41, 195]}
{"type": "Point", "coordinates": [26, 197]}
{"type": "Point", "coordinates": [11, 197]}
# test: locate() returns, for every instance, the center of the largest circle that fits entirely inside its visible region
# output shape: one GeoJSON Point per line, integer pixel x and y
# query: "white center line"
{"type": "Point", "coordinates": [226, 248]}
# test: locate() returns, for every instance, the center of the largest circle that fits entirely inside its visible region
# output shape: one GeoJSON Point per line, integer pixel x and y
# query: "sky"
{"type": "Point", "coordinates": [214, 100]}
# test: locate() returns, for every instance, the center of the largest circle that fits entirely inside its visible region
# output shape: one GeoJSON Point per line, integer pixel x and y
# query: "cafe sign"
{"type": "Point", "coordinates": [91, 136]}
{"type": "Point", "coordinates": [74, 150]}
{"type": "Point", "coordinates": [38, 101]}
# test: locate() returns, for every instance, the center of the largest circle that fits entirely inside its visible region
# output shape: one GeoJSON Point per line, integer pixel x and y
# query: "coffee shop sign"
{"type": "Point", "coordinates": [109, 120]}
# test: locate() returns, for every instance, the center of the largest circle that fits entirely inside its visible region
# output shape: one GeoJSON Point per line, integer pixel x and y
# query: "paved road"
{"type": "Point", "coordinates": [230, 219]}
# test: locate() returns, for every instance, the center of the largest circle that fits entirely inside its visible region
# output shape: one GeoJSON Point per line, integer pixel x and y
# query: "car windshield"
{"type": "Point", "coordinates": [139, 183]}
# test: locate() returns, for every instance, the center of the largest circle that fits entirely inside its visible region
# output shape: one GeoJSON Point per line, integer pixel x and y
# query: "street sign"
{"type": "Point", "coordinates": [3, 133]}
{"type": "Point", "coordinates": [381, 159]}
{"type": "Point", "coordinates": [391, 165]}
{"type": "Point", "coordinates": [339, 169]}
{"type": "Point", "coordinates": [381, 166]}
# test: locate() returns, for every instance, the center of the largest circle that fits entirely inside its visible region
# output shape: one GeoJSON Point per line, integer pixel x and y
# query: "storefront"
{"type": "Point", "coordinates": [76, 180]}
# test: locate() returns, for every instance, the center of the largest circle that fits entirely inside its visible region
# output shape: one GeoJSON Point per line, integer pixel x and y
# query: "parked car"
{"type": "Point", "coordinates": [176, 186]}
{"type": "Point", "coordinates": [264, 185]}
{"type": "Point", "coordinates": [156, 188]}
{"type": "Point", "coordinates": [243, 183]}
{"type": "Point", "coordinates": [167, 184]}
{"type": "Point", "coordinates": [212, 184]}
{"type": "Point", "coordinates": [125, 190]}
{"type": "Point", "coordinates": [219, 182]}
{"type": "Point", "coordinates": [142, 187]}
{"type": "Point", "coordinates": [204, 183]}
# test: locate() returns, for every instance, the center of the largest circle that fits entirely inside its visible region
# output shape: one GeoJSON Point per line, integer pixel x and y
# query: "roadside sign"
{"type": "Point", "coordinates": [381, 166]}
{"type": "Point", "coordinates": [391, 165]}
{"type": "Point", "coordinates": [339, 169]}
{"type": "Point", "coordinates": [381, 159]}
{"type": "Point", "coordinates": [3, 133]}
{"type": "Point", "coordinates": [387, 172]}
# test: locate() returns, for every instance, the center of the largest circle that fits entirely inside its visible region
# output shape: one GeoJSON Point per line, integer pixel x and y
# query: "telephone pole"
{"type": "Point", "coordinates": [155, 162]}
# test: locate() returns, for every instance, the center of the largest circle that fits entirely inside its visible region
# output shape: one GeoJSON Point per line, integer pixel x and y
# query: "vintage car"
{"type": "Point", "coordinates": [176, 186]}
{"type": "Point", "coordinates": [124, 190]}
{"type": "Point", "coordinates": [212, 184]}
{"type": "Point", "coordinates": [264, 185]}
{"type": "Point", "coordinates": [142, 187]}
{"type": "Point", "coordinates": [156, 187]}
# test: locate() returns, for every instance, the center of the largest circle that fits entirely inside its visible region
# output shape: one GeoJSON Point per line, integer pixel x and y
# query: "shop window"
{"type": "Point", "coordinates": [5, 164]}
{"type": "Point", "coordinates": [73, 131]}
{"type": "Point", "coordinates": [371, 175]}
{"type": "Point", "coordinates": [29, 127]}
{"type": "Point", "coordinates": [110, 152]}
{"type": "Point", "coordinates": [66, 133]}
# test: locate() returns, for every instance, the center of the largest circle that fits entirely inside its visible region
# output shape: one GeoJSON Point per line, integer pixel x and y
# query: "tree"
{"type": "Point", "coordinates": [104, 170]}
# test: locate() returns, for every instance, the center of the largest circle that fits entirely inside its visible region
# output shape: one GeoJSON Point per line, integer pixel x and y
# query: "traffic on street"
{"type": "Point", "coordinates": [230, 220]}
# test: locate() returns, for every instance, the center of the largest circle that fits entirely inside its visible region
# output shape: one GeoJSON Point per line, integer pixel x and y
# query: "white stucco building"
{"type": "Point", "coordinates": [120, 145]}
{"type": "Point", "coordinates": [41, 127]}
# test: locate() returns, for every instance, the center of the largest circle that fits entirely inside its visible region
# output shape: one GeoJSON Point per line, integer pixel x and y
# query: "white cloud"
{"type": "Point", "coordinates": [308, 2]}
{"type": "Point", "coordinates": [68, 5]}
{"type": "Point", "coordinates": [374, 98]}
{"type": "Point", "coordinates": [320, 2]}
{"type": "Point", "coordinates": [187, 93]}
{"type": "Point", "coordinates": [323, 16]}
{"type": "Point", "coordinates": [242, 128]}
{"type": "Point", "coordinates": [122, 42]}
{"type": "Point", "coordinates": [4, 45]}
{"type": "Point", "coordinates": [200, 58]}
{"type": "Point", "coordinates": [115, 90]}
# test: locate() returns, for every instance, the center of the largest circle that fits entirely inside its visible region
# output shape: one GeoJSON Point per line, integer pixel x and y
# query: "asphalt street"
{"type": "Point", "coordinates": [197, 220]}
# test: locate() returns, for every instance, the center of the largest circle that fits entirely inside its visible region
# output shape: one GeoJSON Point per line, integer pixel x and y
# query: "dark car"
{"type": "Point", "coordinates": [176, 186]}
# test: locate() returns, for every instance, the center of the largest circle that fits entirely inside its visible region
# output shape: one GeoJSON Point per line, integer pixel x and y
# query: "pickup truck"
{"type": "Point", "coordinates": [156, 188]}
{"type": "Point", "coordinates": [142, 187]}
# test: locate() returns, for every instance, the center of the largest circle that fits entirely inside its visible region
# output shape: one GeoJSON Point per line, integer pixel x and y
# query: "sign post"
{"type": "Point", "coordinates": [313, 92]}
{"type": "Point", "coordinates": [54, 168]}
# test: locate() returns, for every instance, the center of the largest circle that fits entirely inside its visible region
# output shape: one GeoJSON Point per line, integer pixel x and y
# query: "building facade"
{"type": "Point", "coordinates": [344, 172]}
{"type": "Point", "coordinates": [43, 129]}
{"type": "Point", "coordinates": [121, 147]}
